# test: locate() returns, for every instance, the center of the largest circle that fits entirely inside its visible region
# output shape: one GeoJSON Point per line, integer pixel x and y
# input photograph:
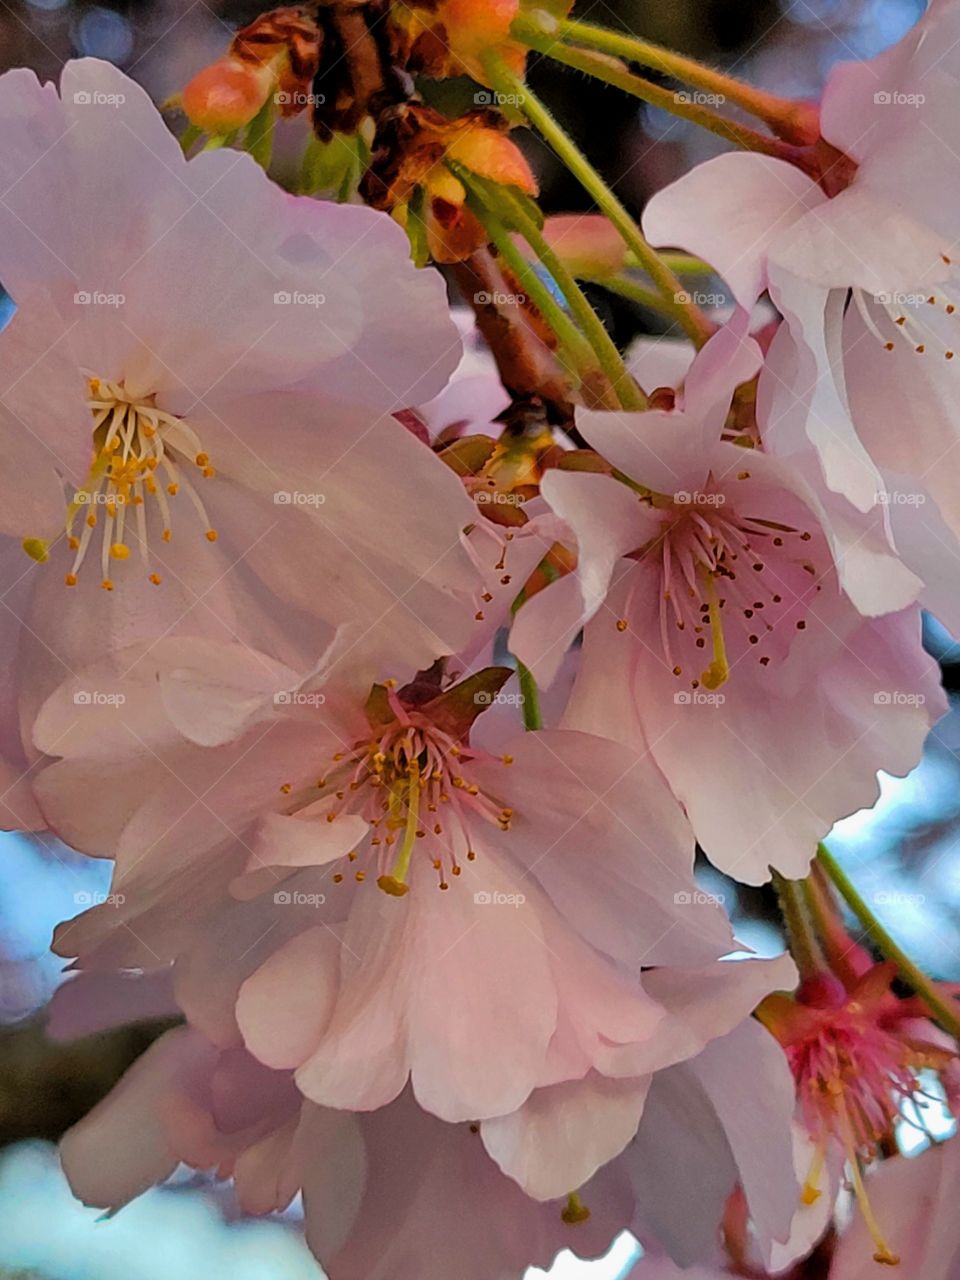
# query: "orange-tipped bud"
{"type": "Point", "coordinates": [473, 26]}
{"type": "Point", "coordinates": [226, 95]}
{"type": "Point", "coordinates": [490, 153]}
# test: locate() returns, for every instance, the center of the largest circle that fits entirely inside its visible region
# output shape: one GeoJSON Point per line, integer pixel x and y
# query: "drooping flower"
{"type": "Point", "coordinates": [856, 1051]}
{"type": "Point", "coordinates": [193, 442]}
{"type": "Point", "coordinates": [719, 591]}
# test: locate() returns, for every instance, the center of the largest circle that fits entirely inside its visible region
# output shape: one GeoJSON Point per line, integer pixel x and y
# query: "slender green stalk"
{"type": "Point", "coordinates": [532, 715]}
{"type": "Point", "coordinates": [602, 68]}
{"type": "Point", "coordinates": [582, 358]}
{"type": "Point", "coordinates": [695, 324]}
{"type": "Point", "coordinates": [686, 264]}
{"type": "Point", "coordinates": [628, 393]}
{"type": "Point", "coordinates": [946, 1011]}
{"type": "Point", "coordinates": [791, 120]}
{"type": "Point", "coordinates": [800, 934]}
{"type": "Point", "coordinates": [632, 291]}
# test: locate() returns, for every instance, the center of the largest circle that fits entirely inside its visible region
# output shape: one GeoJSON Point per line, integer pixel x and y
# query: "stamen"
{"type": "Point", "coordinates": [884, 1254]}
{"type": "Point", "coordinates": [131, 438]}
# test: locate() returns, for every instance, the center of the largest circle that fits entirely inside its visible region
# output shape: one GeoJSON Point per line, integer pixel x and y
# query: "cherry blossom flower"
{"type": "Point", "coordinates": [429, 867]}
{"type": "Point", "coordinates": [202, 441]}
{"type": "Point", "coordinates": [379, 1191]}
{"type": "Point", "coordinates": [861, 267]}
{"type": "Point", "coordinates": [752, 635]}
{"type": "Point", "coordinates": [856, 1051]}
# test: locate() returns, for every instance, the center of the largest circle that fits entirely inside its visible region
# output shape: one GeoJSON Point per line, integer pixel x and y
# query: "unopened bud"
{"type": "Point", "coordinates": [226, 95]}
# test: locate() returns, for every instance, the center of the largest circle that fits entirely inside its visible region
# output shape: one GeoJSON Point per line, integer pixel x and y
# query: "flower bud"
{"type": "Point", "coordinates": [226, 95]}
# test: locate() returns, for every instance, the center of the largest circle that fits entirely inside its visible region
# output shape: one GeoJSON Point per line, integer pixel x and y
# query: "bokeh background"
{"type": "Point", "coordinates": [904, 853]}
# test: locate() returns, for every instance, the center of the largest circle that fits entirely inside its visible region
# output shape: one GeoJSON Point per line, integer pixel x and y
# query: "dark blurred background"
{"type": "Point", "coordinates": [904, 854]}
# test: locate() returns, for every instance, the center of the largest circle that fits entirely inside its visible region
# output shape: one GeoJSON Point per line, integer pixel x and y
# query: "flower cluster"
{"type": "Point", "coordinates": [401, 657]}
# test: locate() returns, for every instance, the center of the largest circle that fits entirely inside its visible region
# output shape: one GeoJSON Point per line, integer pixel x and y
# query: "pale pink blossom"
{"type": "Point", "coordinates": [460, 924]}
{"type": "Point", "coordinates": [196, 399]}
{"type": "Point", "coordinates": [720, 590]}
{"type": "Point", "coordinates": [396, 1195]}
{"type": "Point", "coordinates": [862, 266]}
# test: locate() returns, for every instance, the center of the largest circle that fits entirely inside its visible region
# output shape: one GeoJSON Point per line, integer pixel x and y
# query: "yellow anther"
{"type": "Point", "coordinates": [391, 885]}
{"type": "Point", "coordinates": [574, 1211]}
{"type": "Point", "coordinates": [120, 551]}
{"type": "Point", "coordinates": [37, 549]}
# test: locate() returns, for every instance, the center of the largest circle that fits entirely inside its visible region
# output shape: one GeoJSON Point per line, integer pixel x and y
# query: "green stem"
{"type": "Point", "coordinates": [793, 121]}
{"type": "Point", "coordinates": [947, 1013]}
{"type": "Point", "coordinates": [573, 344]}
{"type": "Point", "coordinates": [632, 291]}
{"type": "Point", "coordinates": [802, 940]}
{"type": "Point", "coordinates": [696, 325]}
{"type": "Point", "coordinates": [601, 68]}
{"type": "Point", "coordinates": [598, 340]}
{"type": "Point", "coordinates": [532, 716]}
{"type": "Point", "coordinates": [686, 264]}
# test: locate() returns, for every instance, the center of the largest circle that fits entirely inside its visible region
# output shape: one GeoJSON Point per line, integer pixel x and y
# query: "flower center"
{"type": "Point", "coordinates": [735, 582]}
{"type": "Point", "coordinates": [140, 453]}
{"type": "Point", "coordinates": [411, 783]}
